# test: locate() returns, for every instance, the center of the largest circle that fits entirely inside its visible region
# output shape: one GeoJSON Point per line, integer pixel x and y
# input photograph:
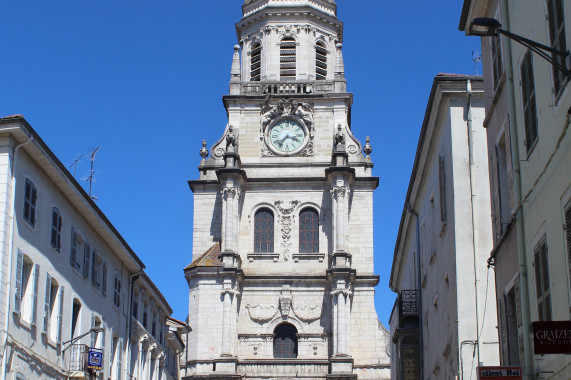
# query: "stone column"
{"type": "Point", "coordinates": [226, 328]}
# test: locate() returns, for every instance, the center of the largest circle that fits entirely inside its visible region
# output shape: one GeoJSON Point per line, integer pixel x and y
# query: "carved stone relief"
{"type": "Point", "coordinates": [261, 314]}
{"type": "Point", "coordinates": [285, 209]}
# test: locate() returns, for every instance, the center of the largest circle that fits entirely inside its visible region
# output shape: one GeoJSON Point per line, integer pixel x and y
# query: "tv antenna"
{"type": "Point", "coordinates": [92, 172]}
{"type": "Point", "coordinates": [75, 162]}
{"type": "Point", "coordinates": [477, 58]}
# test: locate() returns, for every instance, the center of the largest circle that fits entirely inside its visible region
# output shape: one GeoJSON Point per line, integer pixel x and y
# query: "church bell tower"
{"type": "Point", "coordinates": [281, 282]}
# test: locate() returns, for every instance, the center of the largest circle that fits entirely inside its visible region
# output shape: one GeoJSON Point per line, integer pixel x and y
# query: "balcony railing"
{"type": "Point", "coordinates": [408, 303]}
{"type": "Point", "coordinates": [78, 358]}
{"type": "Point", "coordinates": [284, 368]}
{"type": "Point", "coordinates": [293, 87]}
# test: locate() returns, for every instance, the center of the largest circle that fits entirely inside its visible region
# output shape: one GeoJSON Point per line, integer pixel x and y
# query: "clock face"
{"type": "Point", "coordinates": [286, 136]}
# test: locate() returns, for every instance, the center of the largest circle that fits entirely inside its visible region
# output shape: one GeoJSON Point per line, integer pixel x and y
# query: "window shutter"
{"type": "Point", "coordinates": [521, 346]}
{"type": "Point", "coordinates": [103, 347]}
{"type": "Point", "coordinates": [542, 285]}
{"type": "Point", "coordinates": [119, 359]}
{"type": "Point", "coordinates": [528, 100]}
{"type": "Point", "coordinates": [73, 252]}
{"type": "Point", "coordinates": [112, 350]}
{"type": "Point", "coordinates": [442, 185]}
{"type": "Point", "coordinates": [86, 256]}
{"type": "Point", "coordinates": [35, 295]}
{"type": "Point", "coordinates": [92, 335]}
{"type": "Point", "coordinates": [94, 270]}
{"type": "Point", "coordinates": [47, 303]}
{"type": "Point", "coordinates": [18, 289]}
{"type": "Point", "coordinates": [568, 232]}
{"type": "Point", "coordinates": [104, 280]}
{"type": "Point", "coordinates": [503, 332]}
{"type": "Point", "coordinates": [60, 315]}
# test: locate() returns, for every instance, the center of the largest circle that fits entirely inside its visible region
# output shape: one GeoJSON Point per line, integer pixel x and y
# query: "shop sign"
{"type": "Point", "coordinates": [94, 358]}
{"type": "Point", "coordinates": [552, 337]}
{"type": "Point", "coordinates": [499, 373]}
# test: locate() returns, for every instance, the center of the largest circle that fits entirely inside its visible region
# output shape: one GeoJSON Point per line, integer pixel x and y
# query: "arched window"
{"type": "Point", "coordinates": [255, 62]}
{"type": "Point", "coordinates": [30, 198]}
{"type": "Point", "coordinates": [287, 58]}
{"type": "Point", "coordinates": [308, 231]}
{"type": "Point", "coordinates": [285, 342]}
{"type": "Point", "coordinates": [320, 61]}
{"type": "Point", "coordinates": [264, 231]}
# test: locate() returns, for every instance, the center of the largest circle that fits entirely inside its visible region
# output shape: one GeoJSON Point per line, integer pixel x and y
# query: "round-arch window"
{"type": "Point", "coordinates": [308, 231]}
{"type": "Point", "coordinates": [264, 231]}
{"type": "Point", "coordinates": [285, 342]}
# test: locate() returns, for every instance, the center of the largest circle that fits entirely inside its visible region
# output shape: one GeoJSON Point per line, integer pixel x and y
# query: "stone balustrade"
{"type": "Point", "coordinates": [278, 88]}
{"type": "Point", "coordinates": [284, 368]}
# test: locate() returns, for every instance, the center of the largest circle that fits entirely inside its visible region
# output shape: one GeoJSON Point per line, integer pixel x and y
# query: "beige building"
{"type": "Point", "coordinates": [443, 324]}
{"type": "Point", "coordinates": [527, 124]}
{"type": "Point", "coordinates": [66, 275]}
{"type": "Point", "coordinates": [281, 283]}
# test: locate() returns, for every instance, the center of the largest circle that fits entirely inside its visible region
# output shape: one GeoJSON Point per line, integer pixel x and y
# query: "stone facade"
{"type": "Point", "coordinates": [444, 316]}
{"type": "Point", "coordinates": [241, 291]}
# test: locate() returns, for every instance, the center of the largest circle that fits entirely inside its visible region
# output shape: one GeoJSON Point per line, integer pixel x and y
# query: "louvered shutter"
{"type": "Point", "coordinates": [568, 233]}
{"type": "Point", "coordinates": [528, 100]}
{"type": "Point", "coordinates": [35, 295]}
{"type": "Point", "coordinates": [104, 280]}
{"type": "Point", "coordinates": [442, 186]}
{"type": "Point", "coordinates": [73, 252]}
{"type": "Point", "coordinates": [112, 351]}
{"type": "Point", "coordinates": [18, 289]}
{"type": "Point", "coordinates": [92, 335]}
{"type": "Point", "coordinates": [103, 347]}
{"type": "Point", "coordinates": [94, 270]}
{"type": "Point", "coordinates": [60, 315]}
{"type": "Point", "coordinates": [503, 331]}
{"type": "Point", "coordinates": [119, 359]}
{"type": "Point", "coordinates": [47, 303]}
{"type": "Point", "coordinates": [542, 286]}
{"type": "Point", "coordinates": [86, 257]}
{"type": "Point", "coordinates": [520, 337]}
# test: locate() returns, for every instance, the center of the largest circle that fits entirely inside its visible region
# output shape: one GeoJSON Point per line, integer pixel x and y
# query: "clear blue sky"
{"type": "Point", "coordinates": [144, 80]}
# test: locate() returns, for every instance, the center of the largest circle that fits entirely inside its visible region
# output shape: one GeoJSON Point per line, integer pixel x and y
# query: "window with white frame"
{"type": "Point", "coordinates": [556, 18]}
{"type": "Point", "coordinates": [30, 199]}
{"type": "Point", "coordinates": [542, 282]}
{"type": "Point", "coordinates": [55, 237]}
{"type": "Point", "coordinates": [75, 315]}
{"type": "Point", "coordinates": [98, 273]}
{"type": "Point", "coordinates": [80, 253]}
{"type": "Point", "coordinates": [26, 291]}
{"type": "Point", "coordinates": [53, 309]}
{"type": "Point", "coordinates": [117, 291]}
{"type": "Point", "coordinates": [528, 101]}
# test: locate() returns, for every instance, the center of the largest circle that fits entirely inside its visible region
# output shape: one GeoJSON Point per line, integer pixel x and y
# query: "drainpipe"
{"type": "Point", "coordinates": [472, 195]}
{"type": "Point", "coordinates": [515, 158]}
{"type": "Point", "coordinates": [419, 286]}
{"type": "Point", "coordinates": [10, 247]}
{"type": "Point", "coordinates": [132, 280]}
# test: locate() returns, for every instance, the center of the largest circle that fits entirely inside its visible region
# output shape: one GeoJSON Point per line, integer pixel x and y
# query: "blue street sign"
{"type": "Point", "coordinates": [94, 358]}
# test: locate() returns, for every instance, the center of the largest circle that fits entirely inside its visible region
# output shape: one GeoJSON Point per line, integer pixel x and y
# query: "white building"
{"type": "Point", "coordinates": [281, 283]}
{"type": "Point", "coordinates": [444, 322]}
{"type": "Point", "coordinates": [65, 271]}
{"type": "Point", "coordinates": [527, 123]}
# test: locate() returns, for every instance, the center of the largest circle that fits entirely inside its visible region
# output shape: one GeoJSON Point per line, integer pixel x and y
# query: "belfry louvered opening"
{"type": "Point", "coordinates": [256, 62]}
{"type": "Point", "coordinates": [320, 61]}
{"type": "Point", "coordinates": [287, 58]}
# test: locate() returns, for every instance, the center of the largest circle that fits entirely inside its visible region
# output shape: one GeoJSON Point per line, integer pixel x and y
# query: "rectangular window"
{"type": "Point", "coordinates": [136, 306]}
{"type": "Point", "coordinates": [442, 186]}
{"type": "Point", "coordinates": [98, 272]}
{"type": "Point", "coordinates": [542, 285]}
{"type": "Point", "coordinates": [528, 100]}
{"type": "Point", "coordinates": [53, 309]}
{"type": "Point", "coordinates": [497, 65]}
{"type": "Point", "coordinates": [145, 316]}
{"type": "Point", "coordinates": [30, 198]}
{"type": "Point", "coordinates": [502, 187]}
{"type": "Point", "coordinates": [55, 240]}
{"type": "Point", "coordinates": [117, 291]}
{"type": "Point", "coordinates": [509, 329]}
{"type": "Point", "coordinates": [557, 41]}
{"type": "Point", "coordinates": [76, 308]}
